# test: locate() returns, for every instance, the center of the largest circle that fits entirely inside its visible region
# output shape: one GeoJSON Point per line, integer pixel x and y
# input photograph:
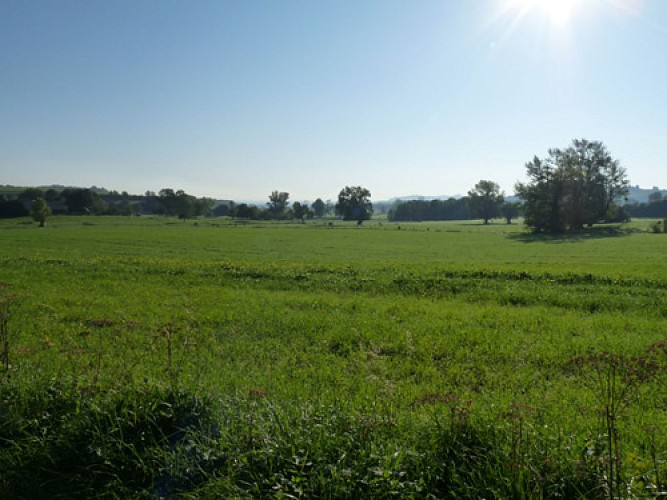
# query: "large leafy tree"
{"type": "Point", "coordinates": [354, 203]}
{"type": "Point", "coordinates": [277, 204]}
{"type": "Point", "coordinates": [485, 200]}
{"type": "Point", "coordinates": [319, 207]}
{"type": "Point", "coordinates": [572, 187]}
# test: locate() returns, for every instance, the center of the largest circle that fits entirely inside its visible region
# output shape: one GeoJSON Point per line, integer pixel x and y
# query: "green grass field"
{"type": "Point", "coordinates": [215, 358]}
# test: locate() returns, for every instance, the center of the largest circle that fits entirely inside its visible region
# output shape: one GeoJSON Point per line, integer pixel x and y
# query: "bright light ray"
{"type": "Point", "coordinates": [557, 12]}
{"type": "Point", "coordinates": [555, 20]}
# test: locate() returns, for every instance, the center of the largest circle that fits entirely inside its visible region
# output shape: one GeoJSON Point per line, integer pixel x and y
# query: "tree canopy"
{"type": "Point", "coordinates": [39, 210]}
{"type": "Point", "coordinates": [319, 207]}
{"type": "Point", "coordinates": [301, 211]}
{"type": "Point", "coordinates": [11, 208]}
{"type": "Point", "coordinates": [277, 204]}
{"type": "Point", "coordinates": [82, 201]}
{"type": "Point", "coordinates": [354, 203]}
{"type": "Point", "coordinates": [510, 209]}
{"type": "Point", "coordinates": [572, 187]}
{"type": "Point", "coordinates": [424, 210]}
{"type": "Point", "coordinates": [485, 200]}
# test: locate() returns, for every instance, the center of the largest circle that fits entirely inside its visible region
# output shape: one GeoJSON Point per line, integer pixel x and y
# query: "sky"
{"type": "Point", "coordinates": [235, 99]}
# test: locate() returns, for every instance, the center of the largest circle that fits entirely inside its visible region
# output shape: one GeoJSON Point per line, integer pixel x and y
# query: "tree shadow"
{"type": "Point", "coordinates": [586, 234]}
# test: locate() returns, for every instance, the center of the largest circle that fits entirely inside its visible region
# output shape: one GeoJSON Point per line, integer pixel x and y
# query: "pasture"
{"type": "Point", "coordinates": [312, 360]}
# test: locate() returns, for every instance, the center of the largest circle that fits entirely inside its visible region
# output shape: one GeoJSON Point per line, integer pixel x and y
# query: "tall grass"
{"type": "Point", "coordinates": [156, 359]}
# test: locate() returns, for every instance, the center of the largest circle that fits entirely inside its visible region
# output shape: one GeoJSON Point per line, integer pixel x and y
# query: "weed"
{"type": "Point", "coordinates": [7, 303]}
{"type": "Point", "coordinates": [615, 380]}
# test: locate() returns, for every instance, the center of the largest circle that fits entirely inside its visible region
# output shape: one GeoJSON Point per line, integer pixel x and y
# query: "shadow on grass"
{"type": "Point", "coordinates": [588, 233]}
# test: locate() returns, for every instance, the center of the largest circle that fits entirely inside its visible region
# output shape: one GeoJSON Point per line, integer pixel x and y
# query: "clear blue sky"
{"type": "Point", "coordinates": [233, 99]}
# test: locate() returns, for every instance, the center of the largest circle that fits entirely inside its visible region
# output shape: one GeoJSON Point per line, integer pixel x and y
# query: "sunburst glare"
{"type": "Point", "coordinates": [557, 12]}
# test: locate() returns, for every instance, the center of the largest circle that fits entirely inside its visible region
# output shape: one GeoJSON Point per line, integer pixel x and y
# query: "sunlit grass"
{"type": "Point", "coordinates": [411, 336]}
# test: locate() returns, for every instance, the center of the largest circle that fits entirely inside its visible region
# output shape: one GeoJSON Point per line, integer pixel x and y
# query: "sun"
{"type": "Point", "coordinates": [559, 13]}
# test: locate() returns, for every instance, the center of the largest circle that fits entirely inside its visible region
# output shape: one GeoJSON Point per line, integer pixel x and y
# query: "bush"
{"type": "Point", "coordinates": [657, 227]}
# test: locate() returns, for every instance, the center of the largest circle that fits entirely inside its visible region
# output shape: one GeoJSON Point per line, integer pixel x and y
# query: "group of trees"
{"type": "Point", "coordinates": [277, 208]}
{"type": "Point", "coordinates": [485, 201]}
{"type": "Point", "coordinates": [353, 204]}
{"type": "Point", "coordinates": [422, 210]}
{"type": "Point", "coordinates": [80, 201]}
{"type": "Point", "coordinates": [569, 189]}
{"type": "Point", "coordinates": [573, 187]}
{"type": "Point", "coordinates": [36, 201]}
{"type": "Point", "coordinates": [182, 205]}
{"type": "Point", "coordinates": [656, 206]}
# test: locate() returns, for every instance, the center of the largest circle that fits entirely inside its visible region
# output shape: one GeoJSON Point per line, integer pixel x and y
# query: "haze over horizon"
{"type": "Point", "coordinates": [232, 100]}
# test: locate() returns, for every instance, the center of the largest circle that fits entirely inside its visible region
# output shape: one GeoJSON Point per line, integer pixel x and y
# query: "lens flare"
{"type": "Point", "coordinates": [557, 12]}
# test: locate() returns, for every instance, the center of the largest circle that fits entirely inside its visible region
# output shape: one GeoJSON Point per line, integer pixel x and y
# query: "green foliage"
{"type": "Point", "coordinates": [658, 227]}
{"type": "Point", "coordinates": [319, 208]}
{"type": "Point", "coordinates": [245, 211]}
{"type": "Point", "coordinates": [275, 359]}
{"type": "Point", "coordinates": [7, 305]}
{"type": "Point", "coordinates": [616, 381]}
{"type": "Point", "coordinates": [573, 187]}
{"type": "Point", "coordinates": [510, 210]}
{"type": "Point", "coordinates": [30, 194]}
{"type": "Point", "coordinates": [82, 201]}
{"type": "Point", "coordinates": [277, 204]}
{"type": "Point", "coordinates": [39, 210]}
{"type": "Point", "coordinates": [65, 441]}
{"type": "Point", "coordinates": [354, 203]}
{"type": "Point", "coordinates": [420, 210]}
{"type": "Point", "coordinates": [179, 203]}
{"type": "Point", "coordinates": [655, 209]}
{"type": "Point", "coordinates": [300, 211]}
{"type": "Point", "coordinates": [11, 208]}
{"type": "Point", "coordinates": [485, 200]}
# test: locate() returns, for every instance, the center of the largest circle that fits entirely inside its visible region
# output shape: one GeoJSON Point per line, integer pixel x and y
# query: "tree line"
{"type": "Point", "coordinates": [353, 203]}
{"type": "Point", "coordinates": [567, 190]}
{"type": "Point", "coordinates": [82, 201]}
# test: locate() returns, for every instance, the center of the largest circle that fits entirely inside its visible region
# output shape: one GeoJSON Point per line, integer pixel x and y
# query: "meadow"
{"type": "Point", "coordinates": [151, 357]}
